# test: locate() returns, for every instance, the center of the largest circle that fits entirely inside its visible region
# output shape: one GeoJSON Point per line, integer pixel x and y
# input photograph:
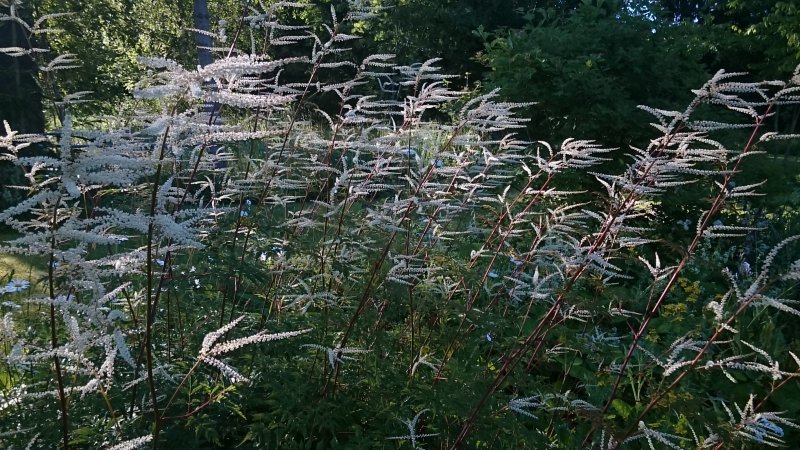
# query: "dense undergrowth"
{"type": "Point", "coordinates": [426, 282]}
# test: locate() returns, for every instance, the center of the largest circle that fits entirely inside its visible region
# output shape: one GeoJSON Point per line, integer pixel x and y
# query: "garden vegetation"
{"type": "Point", "coordinates": [290, 247]}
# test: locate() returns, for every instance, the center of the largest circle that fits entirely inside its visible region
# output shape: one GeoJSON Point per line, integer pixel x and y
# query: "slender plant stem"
{"type": "Point", "coordinates": [548, 322]}
{"type": "Point", "coordinates": [62, 397]}
{"type": "Point", "coordinates": [716, 206]}
{"type": "Point", "coordinates": [152, 297]}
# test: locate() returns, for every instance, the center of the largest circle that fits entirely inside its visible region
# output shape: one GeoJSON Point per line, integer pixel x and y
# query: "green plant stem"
{"type": "Point", "coordinates": [180, 385]}
{"type": "Point", "coordinates": [384, 253]}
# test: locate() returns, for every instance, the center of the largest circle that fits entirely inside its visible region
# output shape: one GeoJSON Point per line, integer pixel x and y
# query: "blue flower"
{"type": "Point", "coordinates": [745, 269]}
{"type": "Point", "coordinates": [410, 152]}
{"type": "Point", "coordinates": [17, 285]}
{"type": "Point", "coordinates": [765, 424]}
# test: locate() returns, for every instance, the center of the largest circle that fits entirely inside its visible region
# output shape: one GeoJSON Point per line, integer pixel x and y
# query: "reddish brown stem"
{"type": "Point", "coordinates": [716, 206]}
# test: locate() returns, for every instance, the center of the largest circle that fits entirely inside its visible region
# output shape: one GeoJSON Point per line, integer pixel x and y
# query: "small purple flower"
{"type": "Point", "coordinates": [744, 269]}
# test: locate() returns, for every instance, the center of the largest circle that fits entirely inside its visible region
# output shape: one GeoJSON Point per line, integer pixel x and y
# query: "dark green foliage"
{"type": "Point", "coordinates": [107, 36]}
{"type": "Point", "coordinates": [416, 30]}
{"type": "Point", "coordinates": [20, 102]}
{"type": "Point", "coordinates": [589, 69]}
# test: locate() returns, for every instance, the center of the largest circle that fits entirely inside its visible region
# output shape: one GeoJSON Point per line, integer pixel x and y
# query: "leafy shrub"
{"type": "Point", "coordinates": [588, 69]}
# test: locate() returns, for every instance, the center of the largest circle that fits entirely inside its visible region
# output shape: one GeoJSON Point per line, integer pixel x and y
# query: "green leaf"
{"type": "Point", "coordinates": [622, 408]}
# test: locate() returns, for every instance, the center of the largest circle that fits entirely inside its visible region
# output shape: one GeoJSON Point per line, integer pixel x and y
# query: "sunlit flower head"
{"type": "Point", "coordinates": [17, 285]}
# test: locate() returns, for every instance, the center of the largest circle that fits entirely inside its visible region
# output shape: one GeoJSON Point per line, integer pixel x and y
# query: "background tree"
{"type": "Point", "coordinates": [20, 98]}
{"type": "Point", "coordinates": [589, 68]}
{"type": "Point", "coordinates": [107, 36]}
{"type": "Point", "coordinates": [416, 30]}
